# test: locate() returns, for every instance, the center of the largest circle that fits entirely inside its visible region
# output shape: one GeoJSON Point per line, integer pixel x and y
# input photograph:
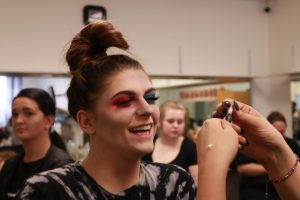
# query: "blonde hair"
{"type": "Point", "coordinates": [173, 105]}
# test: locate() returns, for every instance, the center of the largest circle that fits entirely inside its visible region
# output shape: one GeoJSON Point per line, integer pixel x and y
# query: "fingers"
{"type": "Point", "coordinates": [225, 124]}
{"type": "Point", "coordinates": [223, 107]}
{"type": "Point", "coordinates": [243, 141]}
{"type": "Point", "coordinates": [237, 112]}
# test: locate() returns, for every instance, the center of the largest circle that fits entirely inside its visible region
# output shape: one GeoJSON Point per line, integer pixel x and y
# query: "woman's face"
{"type": "Point", "coordinates": [172, 125]}
{"type": "Point", "coordinates": [28, 121]}
{"type": "Point", "coordinates": [126, 116]}
{"type": "Point", "coordinates": [280, 126]}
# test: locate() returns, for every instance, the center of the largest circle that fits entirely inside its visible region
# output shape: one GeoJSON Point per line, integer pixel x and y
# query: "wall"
{"type": "Point", "coordinates": [174, 94]}
{"type": "Point", "coordinates": [284, 36]}
{"type": "Point", "coordinates": [171, 37]}
{"type": "Point", "coordinates": [272, 92]}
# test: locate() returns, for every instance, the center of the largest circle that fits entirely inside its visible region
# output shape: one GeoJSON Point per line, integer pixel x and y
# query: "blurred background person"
{"type": "Point", "coordinates": [171, 146]}
{"type": "Point", "coordinates": [33, 114]}
{"type": "Point", "coordinates": [254, 181]}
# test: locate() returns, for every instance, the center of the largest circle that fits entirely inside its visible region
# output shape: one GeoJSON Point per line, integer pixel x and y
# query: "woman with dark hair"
{"type": "Point", "coordinates": [113, 100]}
{"type": "Point", "coordinates": [33, 113]}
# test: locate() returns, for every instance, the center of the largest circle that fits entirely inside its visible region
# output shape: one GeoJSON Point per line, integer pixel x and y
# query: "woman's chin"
{"type": "Point", "coordinates": [146, 150]}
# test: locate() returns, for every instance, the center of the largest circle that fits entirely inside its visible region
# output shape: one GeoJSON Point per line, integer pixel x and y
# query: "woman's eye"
{"type": "Point", "coordinates": [170, 121]}
{"type": "Point", "coordinates": [180, 122]}
{"type": "Point", "coordinates": [151, 98]}
{"type": "Point", "coordinates": [123, 101]}
{"type": "Point", "coordinates": [29, 113]}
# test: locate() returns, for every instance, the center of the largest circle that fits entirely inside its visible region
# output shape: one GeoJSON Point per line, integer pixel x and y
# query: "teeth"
{"type": "Point", "coordinates": [142, 128]}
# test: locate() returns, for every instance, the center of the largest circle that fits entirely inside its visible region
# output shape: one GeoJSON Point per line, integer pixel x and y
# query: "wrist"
{"type": "Point", "coordinates": [280, 163]}
{"type": "Point", "coordinates": [288, 174]}
{"type": "Point", "coordinates": [213, 162]}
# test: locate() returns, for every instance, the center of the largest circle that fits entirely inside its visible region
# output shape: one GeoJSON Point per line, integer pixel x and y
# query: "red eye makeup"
{"type": "Point", "coordinates": [123, 101]}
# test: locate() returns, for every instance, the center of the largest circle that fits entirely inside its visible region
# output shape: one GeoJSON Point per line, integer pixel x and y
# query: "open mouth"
{"type": "Point", "coordinates": [141, 130]}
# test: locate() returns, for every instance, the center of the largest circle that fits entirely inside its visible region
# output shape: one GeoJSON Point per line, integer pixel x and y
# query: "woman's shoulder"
{"type": "Point", "coordinates": [63, 172]}
{"type": "Point", "coordinates": [65, 181]}
{"type": "Point", "coordinates": [11, 163]}
{"type": "Point", "coordinates": [189, 142]}
{"type": "Point", "coordinates": [165, 170]}
{"type": "Point", "coordinates": [167, 177]}
{"type": "Point", "coordinates": [56, 157]}
{"type": "Point", "coordinates": [55, 178]}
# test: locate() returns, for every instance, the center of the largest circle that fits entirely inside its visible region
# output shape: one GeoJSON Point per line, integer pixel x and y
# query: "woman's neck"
{"type": "Point", "coordinates": [36, 150]}
{"type": "Point", "coordinates": [114, 173]}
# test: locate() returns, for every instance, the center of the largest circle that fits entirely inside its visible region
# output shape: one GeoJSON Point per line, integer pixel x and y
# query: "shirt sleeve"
{"type": "Point", "coordinates": [31, 192]}
{"type": "Point", "coordinates": [192, 152]}
{"type": "Point", "coordinates": [186, 187]}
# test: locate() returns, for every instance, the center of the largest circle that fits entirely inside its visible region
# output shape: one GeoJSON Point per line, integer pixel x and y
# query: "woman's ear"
{"type": "Point", "coordinates": [49, 121]}
{"type": "Point", "coordinates": [85, 121]}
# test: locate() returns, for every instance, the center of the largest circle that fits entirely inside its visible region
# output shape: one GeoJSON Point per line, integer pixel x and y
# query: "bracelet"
{"type": "Point", "coordinates": [280, 180]}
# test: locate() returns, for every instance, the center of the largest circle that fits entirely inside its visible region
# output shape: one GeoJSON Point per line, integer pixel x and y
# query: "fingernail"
{"type": "Point", "coordinates": [224, 111]}
{"type": "Point", "coordinates": [236, 105]}
{"type": "Point", "coordinates": [242, 132]}
{"type": "Point", "coordinates": [227, 104]}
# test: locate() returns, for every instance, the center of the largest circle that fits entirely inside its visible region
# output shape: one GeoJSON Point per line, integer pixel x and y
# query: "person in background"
{"type": "Point", "coordinates": [296, 121]}
{"type": "Point", "coordinates": [278, 120]}
{"type": "Point", "coordinates": [113, 100]}
{"type": "Point", "coordinates": [190, 126]}
{"type": "Point", "coordinates": [33, 112]}
{"type": "Point", "coordinates": [249, 132]}
{"type": "Point", "coordinates": [171, 146]}
{"type": "Point", "coordinates": [253, 176]}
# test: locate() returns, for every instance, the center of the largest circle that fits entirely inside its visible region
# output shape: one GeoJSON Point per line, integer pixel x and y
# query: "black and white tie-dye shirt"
{"type": "Point", "coordinates": [157, 182]}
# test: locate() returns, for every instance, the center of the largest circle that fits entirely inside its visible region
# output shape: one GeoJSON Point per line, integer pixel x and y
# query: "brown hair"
{"type": "Point", "coordinates": [91, 66]}
{"type": "Point", "coordinates": [276, 116]}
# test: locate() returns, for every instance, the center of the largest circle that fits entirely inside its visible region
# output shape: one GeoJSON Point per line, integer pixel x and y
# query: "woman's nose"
{"type": "Point", "coordinates": [18, 119]}
{"type": "Point", "coordinates": [144, 108]}
{"type": "Point", "coordinates": [175, 124]}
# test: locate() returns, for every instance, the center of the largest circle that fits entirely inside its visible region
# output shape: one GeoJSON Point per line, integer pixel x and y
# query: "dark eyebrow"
{"type": "Point", "coordinates": [125, 92]}
{"type": "Point", "coordinates": [131, 93]}
{"type": "Point", "coordinates": [24, 109]}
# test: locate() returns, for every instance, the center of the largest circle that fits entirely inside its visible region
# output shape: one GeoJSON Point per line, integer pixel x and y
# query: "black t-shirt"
{"type": "Point", "coordinates": [23, 171]}
{"type": "Point", "coordinates": [157, 182]}
{"type": "Point", "coordinates": [254, 187]}
{"type": "Point", "coordinates": [14, 171]}
{"type": "Point", "coordinates": [186, 157]}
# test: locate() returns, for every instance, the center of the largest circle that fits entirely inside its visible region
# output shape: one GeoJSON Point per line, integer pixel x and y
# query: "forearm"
{"type": "Point", "coordinates": [251, 169]}
{"type": "Point", "coordinates": [211, 176]}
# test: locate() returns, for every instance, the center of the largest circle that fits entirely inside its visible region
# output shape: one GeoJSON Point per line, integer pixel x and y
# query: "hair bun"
{"type": "Point", "coordinates": [91, 42]}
